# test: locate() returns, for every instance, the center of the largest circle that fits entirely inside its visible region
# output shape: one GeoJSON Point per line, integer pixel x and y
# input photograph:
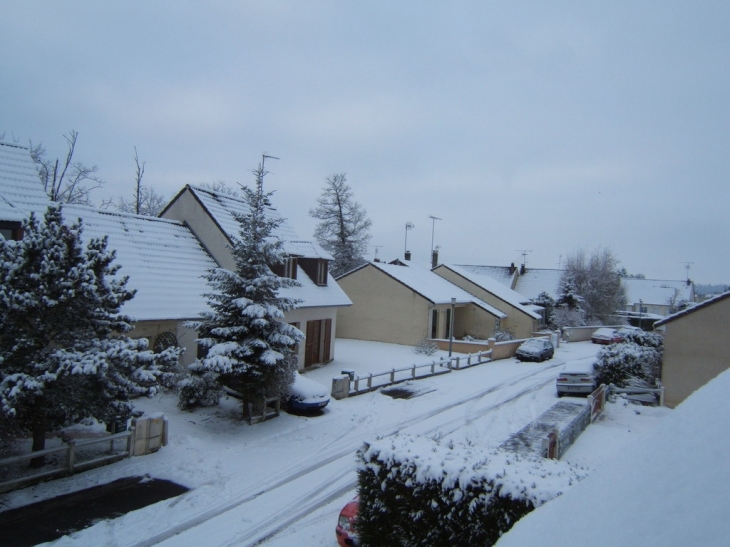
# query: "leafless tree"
{"type": "Point", "coordinates": [66, 181]}
{"type": "Point", "coordinates": [221, 187]}
{"type": "Point", "coordinates": [145, 201]}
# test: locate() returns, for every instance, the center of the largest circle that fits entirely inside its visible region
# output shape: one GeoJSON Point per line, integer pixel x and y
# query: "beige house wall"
{"type": "Point", "coordinates": [299, 318]}
{"type": "Point", "coordinates": [517, 321]}
{"type": "Point", "coordinates": [185, 337]}
{"type": "Point", "coordinates": [385, 310]}
{"type": "Point", "coordinates": [187, 209]}
{"type": "Point", "coordinates": [695, 350]}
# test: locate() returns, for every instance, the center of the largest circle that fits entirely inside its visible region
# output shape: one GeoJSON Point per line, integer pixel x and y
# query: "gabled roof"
{"type": "Point", "coordinates": [431, 286]}
{"type": "Point", "coordinates": [504, 274]}
{"type": "Point", "coordinates": [657, 292]}
{"type": "Point", "coordinates": [21, 191]}
{"type": "Point", "coordinates": [222, 209]}
{"type": "Point", "coordinates": [496, 288]}
{"type": "Point", "coordinates": [163, 259]}
{"type": "Point", "coordinates": [538, 280]}
{"type": "Point", "coordinates": [696, 307]}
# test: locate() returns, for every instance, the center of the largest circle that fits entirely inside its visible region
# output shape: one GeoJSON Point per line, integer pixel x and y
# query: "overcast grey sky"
{"type": "Point", "coordinates": [540, 126]}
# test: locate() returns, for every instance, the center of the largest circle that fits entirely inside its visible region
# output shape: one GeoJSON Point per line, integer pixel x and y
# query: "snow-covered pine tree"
{"type": "Point", "coordinates": [568, 311]}
{"type": "Point", "coordinates": [249, 347]}
{"type": "Point", "coordinates": [343, 229]}
{"type": "Point", "coordinates": [63, 353]}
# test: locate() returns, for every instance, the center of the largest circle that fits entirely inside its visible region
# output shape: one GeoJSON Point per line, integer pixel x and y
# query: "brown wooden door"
{"type": "Point", "coordinates": [312, 350]}
{"type": "Point", "coordinates": [326, 353]}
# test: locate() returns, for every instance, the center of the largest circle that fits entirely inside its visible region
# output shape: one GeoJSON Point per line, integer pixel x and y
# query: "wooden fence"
{"type": "Point", "coordinates": [146, 435]}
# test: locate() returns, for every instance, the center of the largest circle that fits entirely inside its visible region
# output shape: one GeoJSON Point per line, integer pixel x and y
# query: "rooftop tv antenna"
{"type": "Point", "coordinates": [524, 252]}
{"type": "Point", "coordinates": [260, 181]}
{"type": "Point", "coordinates": [433, 228]}
{"type": "Point", "coordinates": [409, 226]}
{"type": "Point", "coordinates": [686, 267]}
{"type": "Point", "coordinates": [376, 251]}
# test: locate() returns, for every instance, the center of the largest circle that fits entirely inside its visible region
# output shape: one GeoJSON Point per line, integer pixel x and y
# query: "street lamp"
{"type": "Point", "coordinates": [641, 305]}
{"type": "Point", "coordinates": [451, 326]}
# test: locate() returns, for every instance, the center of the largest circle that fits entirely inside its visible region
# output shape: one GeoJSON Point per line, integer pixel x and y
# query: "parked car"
{"type": "Point", "coordinates": [576, 378]}
{"type": "Point", "coordinates": [606, 336]}
{"type": "Point", "coordinates": [535, 349]}
{"type": "Point", "coordinates": [306, 395]}
{"type": "Point", "coordinates": [345, 530]}
{"type": "Point", "coordinates": [628, 329]}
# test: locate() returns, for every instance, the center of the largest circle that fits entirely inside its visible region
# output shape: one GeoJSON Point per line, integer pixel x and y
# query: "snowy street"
{"type": "Point", "coordinates": [288, 478]}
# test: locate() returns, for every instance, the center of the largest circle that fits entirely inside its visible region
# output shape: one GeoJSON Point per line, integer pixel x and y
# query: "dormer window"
{"type": "Point", "coordinates": [290, 267]}
{"type": "Point", "coordinates": [321, 272]}
{"type": "Point", "coordinates": [316, 269]}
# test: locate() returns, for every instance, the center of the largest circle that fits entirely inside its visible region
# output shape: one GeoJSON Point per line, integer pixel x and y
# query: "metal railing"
{"type": "Point", "coordinates": [365, 384]}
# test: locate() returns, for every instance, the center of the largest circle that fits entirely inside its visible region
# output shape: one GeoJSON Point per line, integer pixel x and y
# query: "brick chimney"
{"type": "Point", "coordinates": [434, 258]}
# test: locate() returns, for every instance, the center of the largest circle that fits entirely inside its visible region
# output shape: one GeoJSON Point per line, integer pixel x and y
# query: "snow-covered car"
{"type": "Point", "coordinates": [535, 349]}
{"type": "Point", "coordinates": [306, 395]}
{"type": "Point", "coordinates": [576, 378]}
{"type": "Point", "coordinates": [606, 336]}
{"type": "Point", "coordinates": [345, 529]}
{"type": "Point", "coordinates": [628, 329]}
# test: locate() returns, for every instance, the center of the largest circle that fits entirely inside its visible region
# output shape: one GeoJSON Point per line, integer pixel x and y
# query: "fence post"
{"type": "Point", "coordinates": [392, 375]}
{"type": "Point", "coordinates": [357, 384]}
{"type": "Point", "coordinates": [413, 372]}
{"type": "Point", "coordinates": [468, 360]}
{"type": "Point", "coordinates": [130, 441]}
{"type": "Point", "coordinates": [370, 381]}
{"type": "Point", "coordinates": [458, 366]}
{"type": "Point", "coordinates": [71, 456]}
{"type": "Point", "coordinates": [661, 396]}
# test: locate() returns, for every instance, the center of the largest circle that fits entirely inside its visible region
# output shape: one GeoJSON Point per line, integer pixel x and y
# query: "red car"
{"type": "Point", "coordinates": [345, 531]}
{"type": "Point", "coordinates": [606, 336]}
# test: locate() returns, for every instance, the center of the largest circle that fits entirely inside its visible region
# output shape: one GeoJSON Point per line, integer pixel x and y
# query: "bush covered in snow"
{"type": "Point", "coordinates": [629, 364]}
{"type": "Point", "coordinates": [643, 338]}
{"type": "Point", "coordinates": [198, 390]}
{"type": "Point", "coordinates": [418, 491]}
{"type": "Point", "coordinates": [425, 346]}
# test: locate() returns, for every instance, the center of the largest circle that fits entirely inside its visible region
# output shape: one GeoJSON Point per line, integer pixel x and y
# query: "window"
{"type": "Point", "coordinates": [11, 231]}
{"type": "Point", "coordinates": [434, 323]}
{"type": "Point", "coordinates": [290, 267]}
{"type": "Point", "coordinates": [321, 272]}
{"type": "Point", "coordinates": [165, 340]}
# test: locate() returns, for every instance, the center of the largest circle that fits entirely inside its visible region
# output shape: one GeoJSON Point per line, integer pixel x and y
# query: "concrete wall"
{"type": "Point", "coordinates": [520, 324]}
{"type": "Point", "coordinates": [696, 350]}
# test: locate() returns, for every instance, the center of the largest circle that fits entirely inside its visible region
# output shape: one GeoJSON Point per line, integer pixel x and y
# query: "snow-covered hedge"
{"type": "Point", "coordinates": [418, 491]}
{"type": "Point", "coordinates": [636, 362]}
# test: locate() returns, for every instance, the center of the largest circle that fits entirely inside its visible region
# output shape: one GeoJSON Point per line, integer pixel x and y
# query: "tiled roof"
{"type": "Point", "coordinates": [222, 208]}
{"type": "Point", "coordinates": [657, 292]}
{"type": "Point", "coordinates": [433, 287]}
{"type": "Point", "coordinates": [163, 259]}
{"type": "Point", "coordinates": [537, 280]}
{"type": "Point", "coordinates": [498, 289]}
{"type": "Point", "coordinates": [21, 191]}
{"type": "Point", "coordinates": [500, 273]}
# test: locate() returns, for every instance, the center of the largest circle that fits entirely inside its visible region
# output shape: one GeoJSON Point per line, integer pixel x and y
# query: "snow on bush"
{"type": "Point", "coordinates": [425, 492]}
{"type": "Point", "coordinates": [198, 391]}
{"type": "Point", "coordinates": [628, 365]}
{"type": "Point", "coordinates": [425, 347]}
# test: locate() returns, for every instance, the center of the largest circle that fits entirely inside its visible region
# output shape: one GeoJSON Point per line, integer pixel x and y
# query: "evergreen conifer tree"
{"type": "Point", "coordinates": [249, 347]}
{"type": "Point", "coordinates": [63, 353]}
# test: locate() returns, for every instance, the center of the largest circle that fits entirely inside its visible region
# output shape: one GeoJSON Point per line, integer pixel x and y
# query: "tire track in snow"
{"type": "Point", "coordinates": [287, 517]}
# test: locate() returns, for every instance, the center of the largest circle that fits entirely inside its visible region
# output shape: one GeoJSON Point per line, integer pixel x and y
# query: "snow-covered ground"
{"type": "Point", "coordinates": [283, 482]}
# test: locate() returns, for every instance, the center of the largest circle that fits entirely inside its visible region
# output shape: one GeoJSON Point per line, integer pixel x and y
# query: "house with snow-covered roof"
{"type": "Point", "coordinates": [210, 216]}
{"type": "Point", "coordinates": [21, 191]}
{"type": "Point", "coordinates": [403, 304]}
{"type": "Point", "coordinates": [695, 347]}
{"type": "Point", "coordinates": [522, 318]}
{"type": "Point", "coordinates": [162, 258]}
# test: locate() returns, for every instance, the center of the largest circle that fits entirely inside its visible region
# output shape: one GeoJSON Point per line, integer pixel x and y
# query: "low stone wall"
{"type": "Point", "coordinates": [500, 350]}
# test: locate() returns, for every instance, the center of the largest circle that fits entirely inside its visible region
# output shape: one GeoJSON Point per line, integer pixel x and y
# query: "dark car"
{"type": "Point", "coordinates": [535, 349]}
{"type": "Point", "coordinates": [345, 529]}
{"type": "Point", "coordinates": [306, 395]}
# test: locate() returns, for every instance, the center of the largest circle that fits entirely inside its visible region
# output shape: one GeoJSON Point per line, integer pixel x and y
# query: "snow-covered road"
{"type": "Point", "coordinates": [288, 478]}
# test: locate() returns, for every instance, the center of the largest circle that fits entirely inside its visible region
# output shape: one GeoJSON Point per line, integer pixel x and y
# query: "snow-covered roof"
{"type": "Point", "coordinates": [692, 309]}
{"type": "Point", "coordinates": [498, 289]}
{"type": "Point", "coordinates": [500, 273]}
{"type": "Point", "coordinates": [163, 259]}
{"type": "Point", "coordinates": [223, 207]}
{"type": "Point", "coordinates": [536, 280]}
{"type": "Point", "coordinates": [433, 287]}
{"type": "Point", "coordinates": [21, 191]}
{"type": "Point", "coordinates": [657, 292]}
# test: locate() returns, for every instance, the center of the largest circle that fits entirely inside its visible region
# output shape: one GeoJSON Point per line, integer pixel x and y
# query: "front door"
{"type": "Point", "coordinates": [313, 346]}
